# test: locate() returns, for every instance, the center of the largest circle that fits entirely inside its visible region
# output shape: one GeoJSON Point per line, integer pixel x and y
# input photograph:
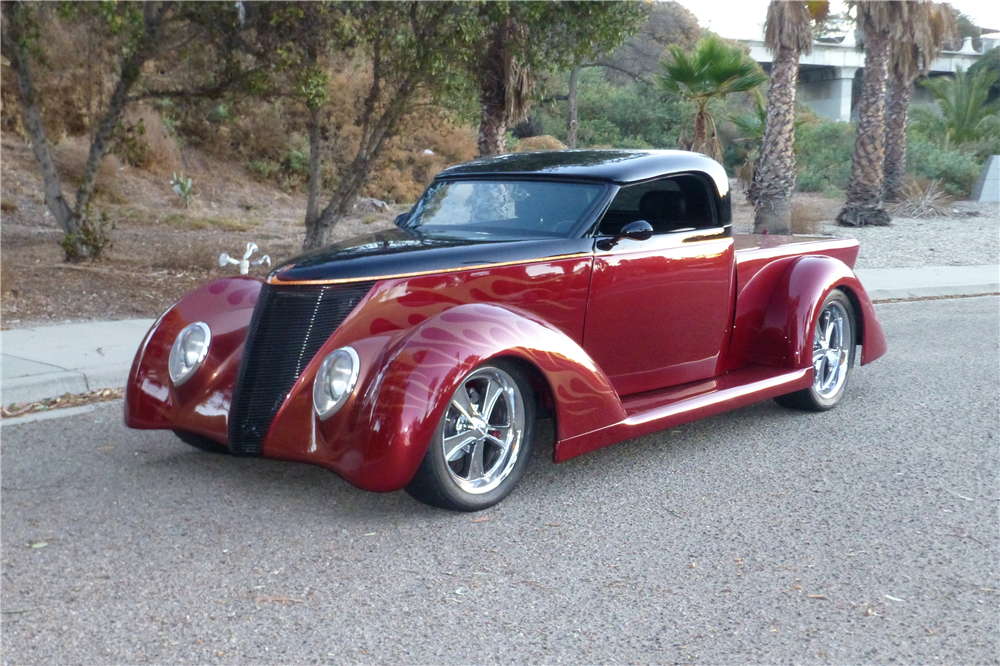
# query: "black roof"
{"type": "Point", "coordinates": [616, 166]}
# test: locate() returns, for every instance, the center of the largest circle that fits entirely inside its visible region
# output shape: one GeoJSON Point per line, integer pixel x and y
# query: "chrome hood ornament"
{"type": "Point", "coordinates": [245, 263]}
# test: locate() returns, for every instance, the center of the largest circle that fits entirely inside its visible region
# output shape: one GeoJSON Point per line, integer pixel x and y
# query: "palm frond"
{"type": "Point", "coordinates": [789, 24]}
{"type": "Point", "coordinates": [963, 103]}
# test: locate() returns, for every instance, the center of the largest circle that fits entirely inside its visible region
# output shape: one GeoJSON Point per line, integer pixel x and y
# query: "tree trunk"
{"type": "Point", "coordinates": [774, 178]}
{"type": "Point", "coordinates": [375, 132]}
{"type": "Point", "coordinates": [315, 164]}
{"type": "Point", "coordinates": [864, 192]}
{"type": "Point", "coordinates": [73, 221]}
{"type": "Point", "coordinates": [897, 106]}
{"type": "Point", "coordinates": [28, 97]}
{"type": "Point", "coordinates": [571, 126]}
{"type": "Point", "coordinates": [493, 96]}
{"type": "Point", "coordinates": [492, 131]}
{"type": "Point", "coordinates": [699, 128]}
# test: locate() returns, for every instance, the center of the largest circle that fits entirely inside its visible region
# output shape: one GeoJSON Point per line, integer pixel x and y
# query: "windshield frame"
{"type": "Point", "coordinates": [579, 230]}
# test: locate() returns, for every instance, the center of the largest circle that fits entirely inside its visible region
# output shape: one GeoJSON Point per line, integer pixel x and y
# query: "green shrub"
{"type": "Point", "coordinates": [624, 116]}
{"type": "Point", "coordinates": [810, 181]}
{"type": "Point", "coordinates": [823, 153]}
{"type": "Point", "coordinates": [263, 169]}
{"type": "Point", "coordinates": [297, 163]}
{"type": "Point", "coordinates": [957, 167]}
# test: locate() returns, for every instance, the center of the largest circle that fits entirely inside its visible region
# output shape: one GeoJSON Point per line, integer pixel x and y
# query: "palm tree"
{"type": "Point", "coordinates": [787, 34]}
{"type": "Point", "coordinates": [879, 22]}
{"type": "Point", "coordinates": [930, 26]}
{"type": "Point", "coordinates": [966, 113]}
{"type": "Point", "coordinates": [505, 85]}
{"type": "Point", "coordinates": [713, 70]}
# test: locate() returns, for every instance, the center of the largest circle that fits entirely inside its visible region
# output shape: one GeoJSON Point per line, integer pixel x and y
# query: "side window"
{"type": "Point", "coordinates": [679, 203]}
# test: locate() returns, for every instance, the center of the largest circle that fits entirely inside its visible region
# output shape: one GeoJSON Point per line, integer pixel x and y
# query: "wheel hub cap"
{"type": "Point", "coordinates": [831, 349]}
{"type": "Point", "coordinates": [482, 433]}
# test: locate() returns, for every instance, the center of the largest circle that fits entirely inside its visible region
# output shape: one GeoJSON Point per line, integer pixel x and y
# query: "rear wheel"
{"type": "Point", "coordinates": [482, 444]}
{"type": "Point", "coordinates": [832, 357]}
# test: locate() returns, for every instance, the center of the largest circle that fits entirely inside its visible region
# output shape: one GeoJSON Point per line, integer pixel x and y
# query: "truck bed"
{"type": "Point", "coordinates": [754, 251]}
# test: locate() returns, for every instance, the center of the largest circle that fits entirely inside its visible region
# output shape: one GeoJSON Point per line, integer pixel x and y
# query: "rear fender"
{"type": "Point", "coordinates": [201, 404]}
{"type": "Point", "coordinates": [408, 398]}
{"type": "Point", "coordinates": [785, 334]}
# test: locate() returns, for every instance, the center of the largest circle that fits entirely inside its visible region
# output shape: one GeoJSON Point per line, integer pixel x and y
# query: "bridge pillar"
{"type": "Point", "coordinates": [827, 91]}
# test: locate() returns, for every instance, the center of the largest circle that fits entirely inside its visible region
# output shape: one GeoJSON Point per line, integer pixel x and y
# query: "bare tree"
{"type": "Point", "coordinates": [143, 31]}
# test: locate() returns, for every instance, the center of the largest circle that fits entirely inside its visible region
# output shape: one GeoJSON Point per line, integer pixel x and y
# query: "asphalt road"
{"type": "Point", "coordinates": [868, 534]}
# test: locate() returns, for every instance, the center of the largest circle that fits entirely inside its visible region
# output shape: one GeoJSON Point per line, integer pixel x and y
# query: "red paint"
{"type": "Point", "coordinates": [660, 310]}
{"type": "Point", "coordinates": [667, 408]}
{"type": "Point", "coordinates": [765, 287]}
{"type": "Point", "coordinates": [200, 405]}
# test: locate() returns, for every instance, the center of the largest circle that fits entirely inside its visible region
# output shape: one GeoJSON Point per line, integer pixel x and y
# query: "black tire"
{"type": "Point", "coordinates": [487, 467]}
{"type": "Point", "coordinates": [201, 443]}
{"type": "Point", "coordinates": [834, 327]}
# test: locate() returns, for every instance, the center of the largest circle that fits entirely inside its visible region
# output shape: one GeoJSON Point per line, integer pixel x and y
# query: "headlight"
{"type": "Point", "coordinates": [189, 351]}
{"type": "Point", "coordinates": [335, 380]}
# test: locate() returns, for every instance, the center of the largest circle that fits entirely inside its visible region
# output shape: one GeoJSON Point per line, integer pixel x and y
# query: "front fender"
{"type": "Point", "coordinates": [786, 333]}
{"type": "Point", "coordinates": [200, 405]}
{"type": "Point", "coordinates": [407, 399]}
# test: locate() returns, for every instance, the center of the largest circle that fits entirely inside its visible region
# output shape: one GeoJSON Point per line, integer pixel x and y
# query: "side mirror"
{"type": "Point", "coordinates": [401, 219]}
{"type": "Point", "coordinates": [639, 230]}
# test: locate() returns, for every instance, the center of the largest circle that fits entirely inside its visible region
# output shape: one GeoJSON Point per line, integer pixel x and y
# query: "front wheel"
{"type": "Point", "coordinates": [482, 444]}
{"type": "Point", "coordinates": [832, 357]}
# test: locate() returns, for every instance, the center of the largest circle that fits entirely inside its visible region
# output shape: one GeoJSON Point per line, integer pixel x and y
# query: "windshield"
{"type": "Point", "coordinates": [501, 209]}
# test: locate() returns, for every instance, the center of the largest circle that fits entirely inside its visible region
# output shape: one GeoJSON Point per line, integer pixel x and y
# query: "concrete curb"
{"type": "Point", "coordinates": [884, 284]}
{"type": "Point", "coordinates": [47, 362]}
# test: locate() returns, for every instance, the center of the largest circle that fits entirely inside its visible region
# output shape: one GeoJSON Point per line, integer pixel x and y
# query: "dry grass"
{"type": "Point", "coordinates": [230, 224]}
{"type": "Point", "coordinates": [921, 199]}
{"type": "Point", "coordinates": [160, 154]}
{"type": "Point", "coordinates": [809, 214]}
{"type": "Point", "coordinates": [8, 281]}
{"type": "Point", "coordinates": [543, 142]}
{"type": "Point", "coordinates": [196, 257]}
{"type": "Point", "coordinates": [8, 206]}
{"type": "Point", "coordinates": [71, 159]}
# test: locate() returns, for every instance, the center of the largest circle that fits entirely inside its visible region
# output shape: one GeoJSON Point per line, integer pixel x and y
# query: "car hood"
{"type": "Point", "coordinates": [396, 252]}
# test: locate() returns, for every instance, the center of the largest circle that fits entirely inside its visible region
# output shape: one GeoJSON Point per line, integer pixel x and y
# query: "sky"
{"type": "Point", "coordinates": [737, 19]}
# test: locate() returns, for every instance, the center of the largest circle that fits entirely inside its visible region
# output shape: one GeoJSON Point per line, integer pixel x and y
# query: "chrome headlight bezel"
{"type": "Point", "coordinates": [327, 398]}
{"type": "Point", "coordinates": [179, 365]}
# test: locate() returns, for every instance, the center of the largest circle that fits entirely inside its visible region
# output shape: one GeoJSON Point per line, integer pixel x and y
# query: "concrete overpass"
{"type": "Point", "coordinates": [830, 77]}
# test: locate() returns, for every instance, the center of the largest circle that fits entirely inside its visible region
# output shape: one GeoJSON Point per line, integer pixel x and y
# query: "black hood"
{"type": "Point", "coordinates": [398, 252]}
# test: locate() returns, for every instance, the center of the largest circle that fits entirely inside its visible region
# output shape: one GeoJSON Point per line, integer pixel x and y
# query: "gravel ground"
{"type": "Point", "coordinates": [969, 236]}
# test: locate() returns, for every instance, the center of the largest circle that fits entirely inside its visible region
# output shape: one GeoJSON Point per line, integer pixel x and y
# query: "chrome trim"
{"type": "Point", "coordinates": [179, 381]}
{"type": "Point", "coordinates": [351, 383]}
{"type": "Point", "coordinates": [482, 430]}
{"type": "Point", "coordinates": [831, 350]}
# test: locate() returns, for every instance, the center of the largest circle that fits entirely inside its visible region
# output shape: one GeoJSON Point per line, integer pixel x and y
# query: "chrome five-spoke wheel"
{"type": "Point", "coordinates": [483, 427]}
{"type": "Point", "coordinates": [482, 443]}
{"type": "Point", "coordinates": [832, 356]}
{"type": "Point", "coordinates": [832, 346]}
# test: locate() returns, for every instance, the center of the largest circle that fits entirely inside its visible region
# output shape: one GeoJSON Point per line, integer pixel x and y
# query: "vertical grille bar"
{"type": "Point", "coordinates": [288, 327]}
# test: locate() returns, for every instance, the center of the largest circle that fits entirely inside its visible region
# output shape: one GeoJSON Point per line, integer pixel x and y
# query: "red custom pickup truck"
{"type": "Point", "coordinates": [604, 288]}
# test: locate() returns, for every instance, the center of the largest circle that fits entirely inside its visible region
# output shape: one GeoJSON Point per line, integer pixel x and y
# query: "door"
{"type": "Point", "coordinates": [659, 311]}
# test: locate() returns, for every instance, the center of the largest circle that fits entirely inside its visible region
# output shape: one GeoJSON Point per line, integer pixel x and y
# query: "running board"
{"type": "Point", "coordinates": [666, 408]}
